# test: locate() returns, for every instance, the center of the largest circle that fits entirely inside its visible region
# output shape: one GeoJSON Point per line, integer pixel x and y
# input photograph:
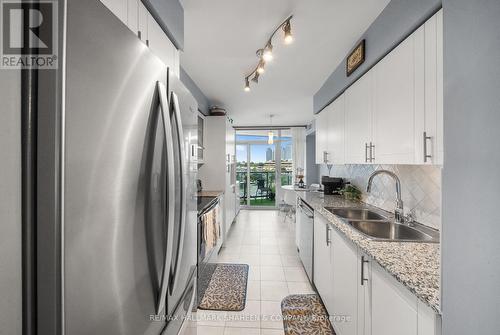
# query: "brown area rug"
{"type": "Point", "coordinates": [227, 290]}
{"type": "Point", "coordinates": [305, 314]}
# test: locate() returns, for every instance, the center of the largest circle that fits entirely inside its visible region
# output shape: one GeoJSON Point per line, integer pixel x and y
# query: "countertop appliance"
{"type": "Point", "coordinates": [121, 260]}
{"type": "Point", "coordinates": [305, 222]}
{"type": "Point", "coordinates": [332, 185]}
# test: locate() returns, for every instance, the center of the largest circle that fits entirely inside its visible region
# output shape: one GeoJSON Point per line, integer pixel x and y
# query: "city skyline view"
{"type": "Point", "coordinates": [261, 153]}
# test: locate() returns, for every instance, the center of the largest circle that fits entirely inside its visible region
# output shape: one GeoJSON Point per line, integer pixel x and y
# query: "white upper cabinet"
{"type": "Point", "coordinates": [133, 15]}
{"type": "Point", "coordinates": [398, 97]}
{"type": "Point", "coordinates": [322, 136]}
{"type": "Point", "coordinates": [142, 22]}
{"type": "Point", "coordinates": [336, 131]}
{"type": "Point", "coordinates": [429, 123]}
{"type": "Point", "coordinates": [118, 7]}
{"type": "Point", "coordinates": [137, 18]}
{"type": "Point", "coordinates": [394, 112]}
{"type": "Point", "coordinates": [330, 133]}
{"type": "Point", "coordinates": [358, 115]}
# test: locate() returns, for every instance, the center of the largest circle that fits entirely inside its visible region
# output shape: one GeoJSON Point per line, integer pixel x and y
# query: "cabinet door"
{"type": "Point", "coordinates": [118, 7]}
{"type": "Point", "coordinates": [133, 15]}
{"type": "Point", "coordinates": [322, 269]}
{"type": "Point", "coordinates": [142, 22]}
{"type": "Point", "coordinates": [358, 113]}
{"type": "Point", "coordinates": [394, 309]}
{"type": "Point", "coordinates": [396, 98]}
{"type": "Point", "coordinates": [201, 137]}
{"type": "Point", "coordinates": [336, 131]}
{"type": "Point", "coordinates": [364, 294]}
{"type": "Point", "coordinates": [159, 42]}
{"type": "Point", "coordinates": [430, 123]}
{"type": "Point", "coordinates": [345, 285]}
{"type": "Point", "coordinates": [322, 135]}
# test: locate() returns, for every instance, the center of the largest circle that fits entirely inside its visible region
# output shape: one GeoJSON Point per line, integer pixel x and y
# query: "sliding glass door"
{"type": "Point", "coordinates": [261, 168]}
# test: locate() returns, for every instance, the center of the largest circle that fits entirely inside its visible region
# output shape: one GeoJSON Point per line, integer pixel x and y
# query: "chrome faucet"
{"type": "Point", "coordinates": [398, 211]}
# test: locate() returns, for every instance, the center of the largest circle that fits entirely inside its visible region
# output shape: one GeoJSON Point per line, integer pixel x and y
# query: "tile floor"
{"type": "Point", "coordinates": [261, 239]}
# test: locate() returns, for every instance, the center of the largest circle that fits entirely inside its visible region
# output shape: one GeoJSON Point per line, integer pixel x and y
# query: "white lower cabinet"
{"type": "Point", "coordinates": [322, 268]}
{"type": "Point", "coordinates": [360, 296]}
{"type": "Point", "coordinates": [345, 285]}
{"type": "Point", "coordinates": [393, 308]}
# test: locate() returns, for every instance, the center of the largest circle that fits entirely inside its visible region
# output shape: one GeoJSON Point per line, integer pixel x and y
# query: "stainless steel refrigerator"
{"type": "Point", "coordinates": [125, 191]}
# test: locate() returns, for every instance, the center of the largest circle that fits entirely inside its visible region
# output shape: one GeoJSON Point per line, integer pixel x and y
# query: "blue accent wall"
{"type": "Point", "coordinates": [470, 246]}
{"type": "Point", "coordinates": [170, 16]}
{"type": "Point", "coordinates": [203, 103]}
{"type": "Point", "coordinates": [398, 20]}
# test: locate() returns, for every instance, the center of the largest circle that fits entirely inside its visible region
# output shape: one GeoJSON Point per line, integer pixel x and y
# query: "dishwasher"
{"type": "Point", "coordinates": [306, 237]}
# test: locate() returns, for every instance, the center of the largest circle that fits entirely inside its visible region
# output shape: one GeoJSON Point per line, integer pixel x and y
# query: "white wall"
{"type": "Point", "coordinates": [10, 203]}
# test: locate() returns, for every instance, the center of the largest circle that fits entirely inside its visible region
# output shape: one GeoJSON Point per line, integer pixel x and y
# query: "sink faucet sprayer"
{"type": "Point", "coordinates": [398, 211]}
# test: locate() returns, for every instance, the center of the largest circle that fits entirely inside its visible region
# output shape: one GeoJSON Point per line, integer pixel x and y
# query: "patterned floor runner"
{"type": "Point", "coordinates": [305, 314]}
{"type": "Point", "coordinates": [227, 290]}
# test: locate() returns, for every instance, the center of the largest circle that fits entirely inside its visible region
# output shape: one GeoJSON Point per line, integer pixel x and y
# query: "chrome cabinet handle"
{"type": "Point", "coordinates": [180, 133]}
{"type": "Point", "coordinates": [426, 155]}
{"type": "Point", "coordinates": [167, 128]}
{"type": "Point", "coordinates": [328, 235]}
{"type": "Point", "coordinates": [363, 279]}
{"type": "Point", "coordinates": [366, 153]}
{"type": "Point", "coordinates": [372, 152]}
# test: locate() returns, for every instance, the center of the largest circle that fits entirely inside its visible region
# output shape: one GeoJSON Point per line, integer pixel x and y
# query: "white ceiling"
{"type": "Point", "coordinates": [221, 37]}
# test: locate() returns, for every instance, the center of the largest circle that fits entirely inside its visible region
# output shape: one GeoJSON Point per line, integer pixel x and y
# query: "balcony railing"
{"type": "Point", "coordinates": [262, 184]}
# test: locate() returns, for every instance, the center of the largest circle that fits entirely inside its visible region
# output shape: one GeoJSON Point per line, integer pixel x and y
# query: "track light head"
{"type": "Point", "coordinates": [287, 28]}
{"type": "Point", "coordinates": [260, 68]}
{"type": "Point", "coordinates": [268, 52]}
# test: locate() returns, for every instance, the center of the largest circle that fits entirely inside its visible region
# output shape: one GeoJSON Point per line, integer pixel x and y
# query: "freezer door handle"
{"type": "Point", "coordinates": [167, 128]}
{"type": "Point", "coordinates": [182, 175]}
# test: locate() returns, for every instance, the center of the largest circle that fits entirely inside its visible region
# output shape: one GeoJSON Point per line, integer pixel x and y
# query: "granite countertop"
{"type": "Point", "coordinates": [415, 265]}
{"type": "Point", "coordinates": [210, 193]}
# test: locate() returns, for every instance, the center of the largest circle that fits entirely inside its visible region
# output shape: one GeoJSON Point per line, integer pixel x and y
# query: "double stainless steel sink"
{"type": "Point", "coordinates": [379, 227]}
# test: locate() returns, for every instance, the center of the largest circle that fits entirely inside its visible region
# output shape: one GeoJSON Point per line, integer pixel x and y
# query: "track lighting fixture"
{"type": "Point", "coordinates": [266, 54]}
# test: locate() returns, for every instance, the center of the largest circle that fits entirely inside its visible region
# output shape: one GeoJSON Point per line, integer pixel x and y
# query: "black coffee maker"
{"type": "Point", "coordinates": [332, 185]}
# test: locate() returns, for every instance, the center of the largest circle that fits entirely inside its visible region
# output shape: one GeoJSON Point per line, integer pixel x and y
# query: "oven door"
{"type": "Point", "coordinates": [209, 244]}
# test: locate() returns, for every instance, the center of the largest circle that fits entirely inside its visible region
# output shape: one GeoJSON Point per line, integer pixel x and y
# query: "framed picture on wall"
{"type": "Point", "coordinates": [355, 58]}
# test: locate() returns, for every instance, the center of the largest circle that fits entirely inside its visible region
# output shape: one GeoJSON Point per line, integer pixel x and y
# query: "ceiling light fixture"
{"type": "Point", "coordinates": [266, 54]}
{"type": "Point", "coordinates": [270, 134]}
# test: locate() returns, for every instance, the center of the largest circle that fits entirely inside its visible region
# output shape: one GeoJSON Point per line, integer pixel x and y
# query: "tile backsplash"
{"type": "Point", "coordinates": [421, 188]}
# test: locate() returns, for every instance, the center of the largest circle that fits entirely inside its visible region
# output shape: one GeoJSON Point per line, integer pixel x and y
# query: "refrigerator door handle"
{"type": "Point", "coordinates": [167, 126]}
{"type": "Point", "coordinates": [177, 114]}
